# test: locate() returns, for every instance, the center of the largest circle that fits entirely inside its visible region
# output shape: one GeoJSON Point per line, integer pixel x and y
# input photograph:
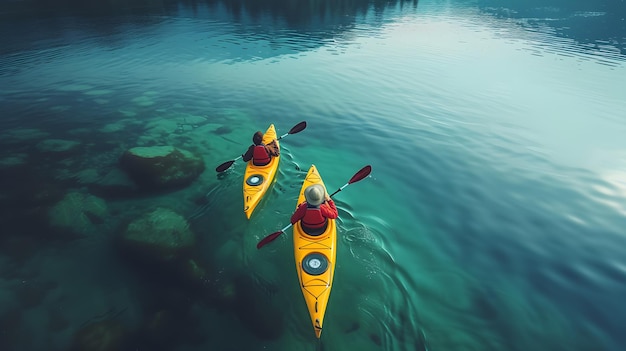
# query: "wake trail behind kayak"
{"type": "Point", "coordinates": [319, 346]}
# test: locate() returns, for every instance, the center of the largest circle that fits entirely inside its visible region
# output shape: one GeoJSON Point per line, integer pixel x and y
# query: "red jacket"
{"type": "Point", "coordinates": [264, 151]}
{"type": "Point", "coordinates": [327, 210]}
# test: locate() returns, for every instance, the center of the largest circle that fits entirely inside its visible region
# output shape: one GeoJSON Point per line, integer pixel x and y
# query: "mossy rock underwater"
{"type": "Point", "coordinates": [78, 213]}
{"type": "Point", "coordinates": [160, 236]}
{"type": "Point", "coordinates": [159, 167]}
{"type": "Point", "coordinates": [106, 335]}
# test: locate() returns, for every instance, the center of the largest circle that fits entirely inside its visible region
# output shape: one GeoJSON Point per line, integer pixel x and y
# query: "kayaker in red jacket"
{"type": "Point", "coordinates": [260, 153]}
{"type": "Point", "coordinates": [315, 211]}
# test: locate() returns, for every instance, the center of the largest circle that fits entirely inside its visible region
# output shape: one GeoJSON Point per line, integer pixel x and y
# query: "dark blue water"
{"type": "Point", "coordinates": [493, 219]}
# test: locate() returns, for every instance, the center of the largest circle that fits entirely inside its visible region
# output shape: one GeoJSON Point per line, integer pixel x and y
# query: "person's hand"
{"type": "Point", "coordinates": [327, 198]}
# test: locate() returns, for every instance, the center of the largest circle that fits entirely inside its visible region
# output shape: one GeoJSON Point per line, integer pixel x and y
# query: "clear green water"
{"type": "Point", "coordinates": [493, 219]}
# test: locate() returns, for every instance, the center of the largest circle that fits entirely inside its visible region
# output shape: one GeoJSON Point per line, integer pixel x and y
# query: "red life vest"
{"type": "Point", "coordinates": [313, 218]}
{"type": "Point", "coordinates": [260, 156]}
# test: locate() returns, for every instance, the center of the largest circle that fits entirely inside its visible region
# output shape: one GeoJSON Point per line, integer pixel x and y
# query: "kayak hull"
{"type": "Point", "coordinates": [258, 179]}
{"type": "Point", "coordinates": [315, 258]}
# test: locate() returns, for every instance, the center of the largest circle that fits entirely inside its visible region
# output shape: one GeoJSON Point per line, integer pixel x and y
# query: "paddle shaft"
{"type": "Point", "coordinates": [340, 189]}
{"type": "Point", "coordinates": [287, 227]}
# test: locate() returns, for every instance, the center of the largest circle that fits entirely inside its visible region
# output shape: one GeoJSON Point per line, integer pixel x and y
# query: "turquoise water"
{"type": "Point", "coordinates": [493, 219]}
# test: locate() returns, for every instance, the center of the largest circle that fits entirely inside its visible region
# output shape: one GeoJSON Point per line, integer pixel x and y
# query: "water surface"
{"type": "Point", "coordinates": [493, 218]}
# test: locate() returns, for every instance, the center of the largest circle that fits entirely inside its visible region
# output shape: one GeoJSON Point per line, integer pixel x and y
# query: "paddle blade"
{"type": "Point", "coordinates": [362, 173]}
{"type": "Point", "coordinates": [268, 239]}
{"type": "Point", "coordinates": [224, 166]}
{"type": "Point", "coordinates": [298, 128]}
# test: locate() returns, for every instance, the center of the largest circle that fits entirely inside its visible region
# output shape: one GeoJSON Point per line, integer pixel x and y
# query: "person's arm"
{"type": "Point", "coordinates": [329, 210]}
{"type": "Point", "coordinates": [248, 155]}
{"type": "Point", "coordinates": [299, 213]}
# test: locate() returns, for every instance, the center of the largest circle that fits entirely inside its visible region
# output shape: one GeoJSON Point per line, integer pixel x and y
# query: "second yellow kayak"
{"type": "Point", "coordinates": [257, 179]}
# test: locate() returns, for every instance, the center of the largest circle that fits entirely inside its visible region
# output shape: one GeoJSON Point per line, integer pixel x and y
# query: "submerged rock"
{"type": "Point", "coordinates": [22, 134]}
{"type": "Point", "coordinates": [160, 236]}
{"type": "Point", "coordinates": [114, 184]}
{"type": "Point", "coordinates": [107, 335]}
{"type": "Point", "coordinates": [13, 161]}
{"type": "Point", "coordinates": [161, 166]}
{"type": "Point", "coordinates": [193, 271]}
{"type": "Point", "coordinates": [87, 176]}
{"type": "Point", "coordinates": [66, 152]}
{"type": "Point", "coordinates": [58, 147]}
{"type": "Point", "coordinates": [78, 213]}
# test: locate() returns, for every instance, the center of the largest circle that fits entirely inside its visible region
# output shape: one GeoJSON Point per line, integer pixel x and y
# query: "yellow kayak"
{"type": "Point", "coordinates": [257, 179]}
{"type": "Point", "coordinates": [315, 260]}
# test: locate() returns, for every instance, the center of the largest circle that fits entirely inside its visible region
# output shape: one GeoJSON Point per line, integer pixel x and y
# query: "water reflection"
{"type": "Point", "coordinates": [295, 13]}
{"type": "Point", "coordinates": [242, 29]}
{"type": "Point", "coordinates": [600, 26]}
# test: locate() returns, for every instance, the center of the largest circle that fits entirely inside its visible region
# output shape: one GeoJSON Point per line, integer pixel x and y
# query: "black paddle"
{"type": "Point", "coordinates": [296, 129]}
{"type": "Point", "coordinates": [362, 173]}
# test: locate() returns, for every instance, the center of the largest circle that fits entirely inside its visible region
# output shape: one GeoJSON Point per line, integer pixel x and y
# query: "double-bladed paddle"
{"type": "Point", "coordinates": [362, 173]}
{"type": "Point", "coordinates": [296, 129]}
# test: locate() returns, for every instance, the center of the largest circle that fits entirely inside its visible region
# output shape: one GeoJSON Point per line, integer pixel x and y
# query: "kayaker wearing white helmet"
{"type": "Point", "coordinates": [315, 211]}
